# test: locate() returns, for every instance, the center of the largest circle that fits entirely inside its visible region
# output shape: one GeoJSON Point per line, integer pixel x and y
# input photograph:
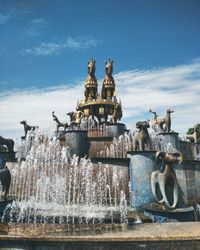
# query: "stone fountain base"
{"type": "Point", "coordinates": [179, 235]}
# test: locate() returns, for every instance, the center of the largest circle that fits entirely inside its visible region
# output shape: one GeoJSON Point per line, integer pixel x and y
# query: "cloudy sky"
{"type": "Point", "coordinates": [45, 46]}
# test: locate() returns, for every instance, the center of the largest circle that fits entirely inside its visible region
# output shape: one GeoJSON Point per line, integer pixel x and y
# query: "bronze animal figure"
{"type": "Point", "coordinates": [75, 117]}
{"type": "Point", "coordinates": [27, 128]}
{"type": "Point", "coordinates": [58, 123]}
{"type": "Point", "coordinates": [91, 82]}
{"type": "Point", "coordinates": [193, 136]}
{"type": "Point", "coordinates": [117, 114]}
{"type": "Point", "coordinates": [160, 122]}
{"type": "Point", "coordinates": [5, 179]}
{"type": "Point", "coordinates": [9, 143]}
{"type": "Point", "coordinates": [141, 138]}
{"type": "Point", "coordinates": [108, 88]}
{"type": "Point", "coordinates": [160, 177]}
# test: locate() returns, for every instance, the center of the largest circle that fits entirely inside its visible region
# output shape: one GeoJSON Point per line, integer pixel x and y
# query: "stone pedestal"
{"type": "Point", "coordinates": [141, 165]}
{"type": "Point", "coordinates": [172, 138]}
{"type": "Point", "coordinates": [117, 129]}
{"type": "Point", "coordinates": [189, 150]}
{"type": "Point", "coordinates": [188, 177]}
{"type": "Point", "coordinates": [78, 142]}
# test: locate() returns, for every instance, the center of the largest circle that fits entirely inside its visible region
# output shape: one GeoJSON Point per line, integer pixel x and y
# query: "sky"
{"type": "Point", "coordinates": [45, 46]}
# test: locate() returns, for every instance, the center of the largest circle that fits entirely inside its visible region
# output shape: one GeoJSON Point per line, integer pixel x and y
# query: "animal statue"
{"type": "Point", "coordinates": [193, 136]}
{"type": "Point", "coordinates": [75, 117]}
{"type": "Point", "coordinates": [5, 179]}
{"type": "Point", "coordinates": [160, 122]}
{"type": "Point", "coordinates": [58, 123]}
{"type": "Point", "coordinates": [91, 82]}
{"type": "Point", "coordinates": [9, 143]}
{"type": "Point", "coordinates": [108, 88]}
{"type": "Point", "coordinates": [141, 138]}
{"type": "Point", "coordinates": [27, 128]}
{"type": "Point", "coordinates": [117, 113]}
{"type": "Point", "coordinates": [160, 177]}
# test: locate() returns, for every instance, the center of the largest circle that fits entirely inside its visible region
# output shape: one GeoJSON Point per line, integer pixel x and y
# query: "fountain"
{"type": "Point", "coordinates": [97, 174]}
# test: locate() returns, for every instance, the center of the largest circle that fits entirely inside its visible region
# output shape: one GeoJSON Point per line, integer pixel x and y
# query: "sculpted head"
{"type": "Point", "coordinates": [109, 67]}
{"type": "Point", "coordinates": [142, 124]}
{"type": "Point", "coordinates": [91, 67]}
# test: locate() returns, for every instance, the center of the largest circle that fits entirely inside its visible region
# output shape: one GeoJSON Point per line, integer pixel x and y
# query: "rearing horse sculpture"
{"type": "Point", "coordinates": [91, 82]}
{"type": "Point", "coordinates": [58, 123]}
{"type": "Point", "coordinates": [108, 88]}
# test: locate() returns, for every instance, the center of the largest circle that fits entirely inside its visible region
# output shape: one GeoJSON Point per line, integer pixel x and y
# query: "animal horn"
{"type": "Point", "coordinates": [154, 183]}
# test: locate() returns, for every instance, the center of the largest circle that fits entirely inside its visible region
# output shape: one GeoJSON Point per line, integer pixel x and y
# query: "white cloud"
{"type": "Point", "coordinates": [36, 27]}
{"type": "Point", "coordinates": [49, 49]}
{"type": "Point", "coordinates": [158, 89]}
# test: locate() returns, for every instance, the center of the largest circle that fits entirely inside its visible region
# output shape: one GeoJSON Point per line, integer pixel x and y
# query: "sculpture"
{"type": "Point", "coordinates": [193, 137]}
{"type": "Point", "coordinates": [27, 128]}
{"type": "Point", "coordinates": [91, 82]}
{"type": "Point", "coordinates": [141, 138]}
{"type": "Point", "coordinates": [160, 177]}
{"type": "Point", "coordinates": [160, 122]}
{"type": "Point", "coordinates": [108, 88]}
{"type": "Point", "coordinates": [9, 143]}
{"type": "Point", "coordinates": [117, 113]}
{"type": "Point", "coordinates": [59, 124]}
{"type": "Point", "coordinates": [75, 117]}
{"type": "Point", "coordinates": [5, 178]}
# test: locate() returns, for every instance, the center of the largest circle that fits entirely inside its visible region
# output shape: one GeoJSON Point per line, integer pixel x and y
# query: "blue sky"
{"type": "Point", "coordinates": [46, 44]}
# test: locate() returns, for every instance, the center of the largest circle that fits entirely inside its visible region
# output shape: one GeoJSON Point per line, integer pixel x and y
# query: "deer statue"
{"type": "Point", "coordinates": [193, 136]}
{"type": "Point", "coordinates": [160, 122]}
{"type": "Point", "coordinates": [58, 123]}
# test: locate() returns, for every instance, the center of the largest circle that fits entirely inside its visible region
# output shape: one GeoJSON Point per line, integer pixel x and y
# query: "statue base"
{"type": "Point", "coordinates": [160, 213]}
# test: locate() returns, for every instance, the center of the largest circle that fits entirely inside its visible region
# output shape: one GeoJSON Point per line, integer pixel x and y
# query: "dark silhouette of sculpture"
{"type": "Point", "coordinates": [160, 122]}
{"type": "Point", "coordinates": [58, 123]}
{"type": "Point", "coordinates": [117, 113]}
{"type": "Point", "coordinates": [141, 138]}
{"type": "Point", "coordinates": [160, 177]}
{"type": "Point", "coordinates": [91, 82]}
{"type": "Point", "coordinates": [9, 143]}
{"type": "Point", "coordinates": [108, 88]}
{"type": "Point", "coordinates": [5, 179]}
{"type": "Point", "coordinates": [27, 128]}
{"type": "Point", "coordinates": [193, 137]}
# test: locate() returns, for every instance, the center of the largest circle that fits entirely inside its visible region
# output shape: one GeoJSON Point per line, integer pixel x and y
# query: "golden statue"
{"type": "Point", "coordinates": [108, 88]}
{"type": "Point", "coordinates": [91, 82]}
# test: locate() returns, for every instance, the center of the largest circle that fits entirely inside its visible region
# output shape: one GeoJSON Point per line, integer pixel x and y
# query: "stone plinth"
{"type": "Point", "coordinates": [117, 129]}
{"type": "Point", "coordinates": [189, 150]}
{"type": "Point", "coordinates": [141, 165]}
{"type": "Point", "coordinates": [171, 138]}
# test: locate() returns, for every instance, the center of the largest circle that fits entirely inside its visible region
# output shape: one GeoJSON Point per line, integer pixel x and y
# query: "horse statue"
{"type": "Point", "coordinates": [9, 143]}
{"type": "Point", "coordinates": [27, 128]}
{"type": "Point", "coordinates": [75, 117]}
{"type": "Point", "coordinates": [91, 82]}
{"type": "Point", "coordinates": [108, 88]}
{"type": "Point", "coordinates": [58, 123]}
{"type": "Point", "coordinates": [117, 113]}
